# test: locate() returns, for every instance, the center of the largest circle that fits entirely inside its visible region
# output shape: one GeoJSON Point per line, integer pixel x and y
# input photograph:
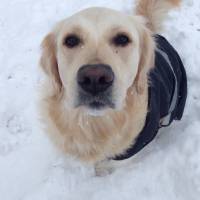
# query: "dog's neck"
{"type": "Point", "coordinates": [90, 138]}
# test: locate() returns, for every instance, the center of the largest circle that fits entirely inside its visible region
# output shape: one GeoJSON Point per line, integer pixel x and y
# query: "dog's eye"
{"type": "Point", "coordinates": [121, 40]}
{"type": "Point", "coordinates": [72, 41]}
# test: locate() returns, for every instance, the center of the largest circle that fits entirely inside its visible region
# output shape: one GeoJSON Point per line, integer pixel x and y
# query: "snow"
{"type": "Point", "coordinates": [30, 167]}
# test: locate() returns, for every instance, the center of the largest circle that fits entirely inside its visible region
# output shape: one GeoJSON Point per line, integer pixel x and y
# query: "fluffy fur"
{"type": "Point", "coordinates": [73, 130]}
{"type": "Point", "coordinates": [155, 11]}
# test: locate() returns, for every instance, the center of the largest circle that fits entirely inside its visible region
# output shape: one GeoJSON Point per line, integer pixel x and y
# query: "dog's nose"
{"type": "Point", "coordinates": [96, 78]}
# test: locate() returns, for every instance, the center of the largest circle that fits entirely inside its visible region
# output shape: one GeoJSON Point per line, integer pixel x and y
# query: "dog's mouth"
{"type": "Point", "coordinates": [97, 105]}
{"type": "Point", "coordinates": [98, 102]}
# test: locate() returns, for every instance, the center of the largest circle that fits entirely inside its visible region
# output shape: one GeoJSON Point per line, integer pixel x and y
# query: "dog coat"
{"type": "Point", "coordinates": [167, 95]}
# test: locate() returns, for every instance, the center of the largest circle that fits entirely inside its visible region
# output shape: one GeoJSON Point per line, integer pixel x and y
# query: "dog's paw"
{"type": "Point", "coordinates": [103, 172]}
{"type": "Point", "coordinates": [103, 169]}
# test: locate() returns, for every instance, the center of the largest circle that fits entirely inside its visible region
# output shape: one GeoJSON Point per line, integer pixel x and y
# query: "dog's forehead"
{"type": "Point", "coordinates": [99, 13]}
{"type": "Point", "coordinates": [98, 18]}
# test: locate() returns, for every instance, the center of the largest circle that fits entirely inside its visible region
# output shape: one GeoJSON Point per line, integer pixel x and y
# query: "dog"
{"type": "Point", "coordinates": [111, 82]}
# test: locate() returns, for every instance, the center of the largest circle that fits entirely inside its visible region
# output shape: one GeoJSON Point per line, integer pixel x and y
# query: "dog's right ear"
{"type": "Point", "coordinates": [48, 61]}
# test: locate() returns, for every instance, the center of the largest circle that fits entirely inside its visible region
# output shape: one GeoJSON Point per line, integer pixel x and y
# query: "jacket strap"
{"type": "Point", "coordinates": [166, 120]}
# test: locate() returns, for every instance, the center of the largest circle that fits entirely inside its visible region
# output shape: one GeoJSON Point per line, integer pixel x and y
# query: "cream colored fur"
{"type": "Point", "coordinates": [155, 11]}
{"type": "Point", "coordinates": [75, 132]}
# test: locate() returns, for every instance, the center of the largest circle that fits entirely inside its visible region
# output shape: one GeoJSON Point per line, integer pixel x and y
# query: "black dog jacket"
{"type": "Point", "coordinates": [167, 95]}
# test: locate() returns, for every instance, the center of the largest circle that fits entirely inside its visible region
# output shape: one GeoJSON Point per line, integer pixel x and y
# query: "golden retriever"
{"type": "Point", "coordinates": [95, 96]}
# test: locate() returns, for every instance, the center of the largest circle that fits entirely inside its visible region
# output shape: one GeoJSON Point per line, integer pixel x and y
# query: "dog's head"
{"type": "Point", "coordinates": [95, 57]}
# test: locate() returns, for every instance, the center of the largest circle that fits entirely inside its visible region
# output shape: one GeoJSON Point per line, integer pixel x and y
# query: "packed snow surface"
{"type": "Point", "coordinates": [32, 169]}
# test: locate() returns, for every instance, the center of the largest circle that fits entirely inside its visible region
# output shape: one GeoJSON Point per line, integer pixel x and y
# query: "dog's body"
{"type": "Point", "coordinates": [167, 95]}
{"type": "Point", "coordinates": [95, 99]}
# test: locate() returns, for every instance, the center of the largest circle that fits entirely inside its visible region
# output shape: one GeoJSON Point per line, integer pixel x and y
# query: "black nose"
{"type": "Point", "coordinates": [95, 78]}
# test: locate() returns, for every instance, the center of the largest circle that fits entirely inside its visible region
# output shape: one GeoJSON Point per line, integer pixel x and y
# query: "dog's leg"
{"type": "Point", "coordinates": [106, 167]}
{"type": "Point", "coordinates": [103, 168]}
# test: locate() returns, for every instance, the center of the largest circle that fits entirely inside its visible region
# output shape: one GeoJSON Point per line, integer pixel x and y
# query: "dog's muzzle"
{"type": "Point", "coordinates": [95, 86]}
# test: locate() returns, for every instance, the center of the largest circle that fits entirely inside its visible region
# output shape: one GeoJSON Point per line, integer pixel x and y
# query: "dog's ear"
{"type": "Point", "coordinates": [48, 61]}
{"type": "Point", "coordinates": [147, 48]}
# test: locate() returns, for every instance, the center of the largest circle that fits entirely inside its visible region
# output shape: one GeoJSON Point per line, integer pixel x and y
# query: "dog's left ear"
{"type": "Point", "coordinates": [147, 55]}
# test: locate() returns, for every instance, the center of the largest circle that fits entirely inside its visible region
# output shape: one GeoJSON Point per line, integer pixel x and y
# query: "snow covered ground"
{"type": "Point", "coordinates": [30, 167]}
